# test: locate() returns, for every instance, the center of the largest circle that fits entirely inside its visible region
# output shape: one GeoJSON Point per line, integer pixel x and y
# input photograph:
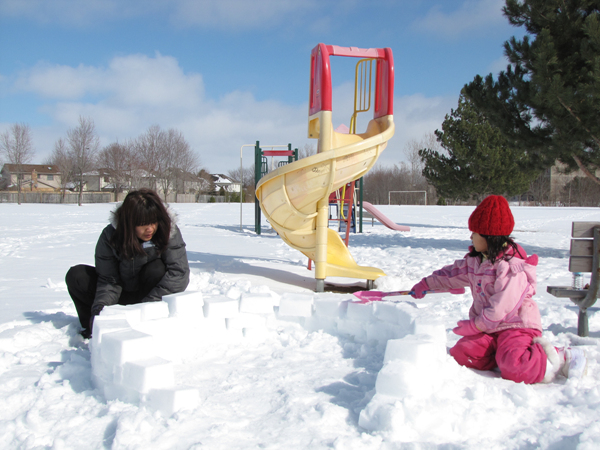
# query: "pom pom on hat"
{"type": "Point", "coordinates": [492, 217]}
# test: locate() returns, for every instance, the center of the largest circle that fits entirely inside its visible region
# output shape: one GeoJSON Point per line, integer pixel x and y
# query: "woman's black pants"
{"type": "Point", "coordinates": [81, 282]}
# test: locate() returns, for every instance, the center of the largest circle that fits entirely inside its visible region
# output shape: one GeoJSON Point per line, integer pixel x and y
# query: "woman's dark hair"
{"type": "Point", "coordinates": [141, 207]}
{"type": "Point", "coordinates": [497, 246]}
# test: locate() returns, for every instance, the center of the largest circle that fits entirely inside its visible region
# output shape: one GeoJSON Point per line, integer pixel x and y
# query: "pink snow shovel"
{"type": "Point", "coordinates": [374, 296]}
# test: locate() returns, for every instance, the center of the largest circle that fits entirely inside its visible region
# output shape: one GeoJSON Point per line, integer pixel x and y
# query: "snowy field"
{"type": "Point", "coordinates": [296, 386]}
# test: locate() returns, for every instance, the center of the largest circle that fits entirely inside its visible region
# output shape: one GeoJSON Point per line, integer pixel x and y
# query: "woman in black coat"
{"type": "Point", "coordinates": [140, 256]}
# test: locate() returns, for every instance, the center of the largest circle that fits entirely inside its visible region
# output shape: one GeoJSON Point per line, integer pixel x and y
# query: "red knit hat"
{"type": "Point", "coordinates": [492, 217]}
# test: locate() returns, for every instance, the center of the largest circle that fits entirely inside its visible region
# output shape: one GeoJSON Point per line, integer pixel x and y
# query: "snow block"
{"type": "Point", "coordinates": [164, 327]}
{"type": "Point", "coordinates": [415, 349]}
{"type": "Point", "coordinates": [120, 347]}
{"type": "Point", "coordinates": [397, 313]}
{"type": "Point", "coordinates": [121, 393]}
{"type": "Point", "coordinates": [411, 367]}
{"type": "Point", "coordinates": [327, 324]}
{"type": "Point", "coordinates": [402, 379]}
{"type": "Point", "coordinates": [153, 310]}
{"type": "Point", "coordinates": [353, 328]}
{"type": "Point", "coordinates": [362, 312]}
{"type": "Point", "coordinates": [185, 304]}
{"type": "Point", "coordinates": [434, 331]}
{"type": "Point", "coordinates": [221, 307]}
{"type": "Point", "coordinates": [169, 401]}
{"type": "Point", "coordinates": [257, 303]}
{"type": "Point", "coordinates": [382, 332]}
{"type": "Point", "coordinates": [296, 305]}
{"type": "Point", "coordinates": [147, 374]}
{"type": "Point", "coordinates": [331, 307]}
{"type": "Point", "coordinates": [107, 324]}
{"type": "Point", "coordinates": [128, 312]}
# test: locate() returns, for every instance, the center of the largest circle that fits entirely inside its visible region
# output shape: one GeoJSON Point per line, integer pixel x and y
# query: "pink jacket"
{"type": "Point", "coordinates": [502, 292]}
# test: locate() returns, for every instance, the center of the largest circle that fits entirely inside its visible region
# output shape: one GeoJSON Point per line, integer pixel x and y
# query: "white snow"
{"type": "Point", "coordinates": [250, 357]}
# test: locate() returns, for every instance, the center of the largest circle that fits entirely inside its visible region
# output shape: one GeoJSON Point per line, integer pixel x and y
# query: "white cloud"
{"type": "Point", "coordinates": [415, 116]}
{"type": "Point", "coordinates": [133, 92]}
{"type": "Point", "coordinates": [471, 15]}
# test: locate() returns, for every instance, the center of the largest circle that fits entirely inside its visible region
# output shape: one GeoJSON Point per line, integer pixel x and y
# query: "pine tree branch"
{"type": "Point", "coordinates": [585, 170]}
{"type": "Point", "coordinates": [595, 138]}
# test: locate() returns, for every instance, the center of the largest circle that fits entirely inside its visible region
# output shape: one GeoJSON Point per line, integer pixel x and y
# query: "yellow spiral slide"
{"type": "Point", "coordinates": [295, 197]}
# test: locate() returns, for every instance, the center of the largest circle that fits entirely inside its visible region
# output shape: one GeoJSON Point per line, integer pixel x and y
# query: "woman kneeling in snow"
{"type": "Point", "coordinates": [139, 257]}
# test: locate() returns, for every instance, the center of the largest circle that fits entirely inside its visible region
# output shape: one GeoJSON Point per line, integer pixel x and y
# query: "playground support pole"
{"type": "Point", "coordinates": [258, 154]}
{"type": "Point", "coordinates": [257, 169]}
{"type": "Point", "coordinates": [242, 181]}
{"type": "Point", "coordinates": [360, 193]}
{"type": "Point", "coordinates": [321, 246]}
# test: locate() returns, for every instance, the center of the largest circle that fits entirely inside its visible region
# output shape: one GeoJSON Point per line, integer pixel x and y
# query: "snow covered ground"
{"type": "Point", "coordinates": [296, 386]}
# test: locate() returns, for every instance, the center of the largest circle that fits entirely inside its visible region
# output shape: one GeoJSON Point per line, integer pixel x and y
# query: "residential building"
{"type": "Point", "coordinates": [31, 177]}
{"type": "Point", "coordinates": [223, 181]}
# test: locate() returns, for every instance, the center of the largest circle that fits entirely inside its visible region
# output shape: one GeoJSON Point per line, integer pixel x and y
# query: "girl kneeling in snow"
{"type": "Point", "coordinates": [139, 257]}
{"type": "Point", "coordinates": [504, 329]}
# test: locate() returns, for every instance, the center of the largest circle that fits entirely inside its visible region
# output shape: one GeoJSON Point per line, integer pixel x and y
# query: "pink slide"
{"type": "Point", "coordinates": [383, 218]}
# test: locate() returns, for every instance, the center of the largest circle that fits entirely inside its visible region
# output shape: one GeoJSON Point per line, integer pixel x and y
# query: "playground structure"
{"type": "Point", "coordinates": [295, 197]}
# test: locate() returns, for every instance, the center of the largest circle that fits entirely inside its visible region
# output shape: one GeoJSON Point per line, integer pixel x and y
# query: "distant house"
{"type": "Point", "coordinates": [96, 181]}
{"type": "Point", "coordinates": [187, 182]}
{"type": "Point", "coordinates": [223, 181]}
{"type": "Point", "coordinates": [31, 177]}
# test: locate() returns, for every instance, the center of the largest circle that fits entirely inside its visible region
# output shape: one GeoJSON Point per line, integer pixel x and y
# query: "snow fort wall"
{"type": "Point", "coordinates": [135, 349]}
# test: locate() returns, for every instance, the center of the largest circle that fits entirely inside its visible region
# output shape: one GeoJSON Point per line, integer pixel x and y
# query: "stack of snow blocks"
{"type": "Point", "coordinates": [135, 348]}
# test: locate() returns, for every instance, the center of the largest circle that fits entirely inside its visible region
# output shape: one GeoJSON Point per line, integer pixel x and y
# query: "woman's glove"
{"type": "Point", "coordinates": [419, 289]}
{"type": "Point", "coordinates": [466, 328]}
{"type": "Point", "coordinates": [96, 309]}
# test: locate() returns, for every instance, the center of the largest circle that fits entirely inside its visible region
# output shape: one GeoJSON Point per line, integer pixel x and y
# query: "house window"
{"type": "Point", "coordinates": [50, 177]}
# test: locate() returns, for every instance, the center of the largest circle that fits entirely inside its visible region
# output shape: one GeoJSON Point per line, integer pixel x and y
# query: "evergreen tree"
{"type": "Point", "coordinates": [548, 99]}
{"type": "Point", "coordinates": [480, 161]}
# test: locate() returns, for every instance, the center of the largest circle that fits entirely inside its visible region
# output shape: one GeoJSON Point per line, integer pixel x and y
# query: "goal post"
{"type": "Point", "coordinates": [406, 192]}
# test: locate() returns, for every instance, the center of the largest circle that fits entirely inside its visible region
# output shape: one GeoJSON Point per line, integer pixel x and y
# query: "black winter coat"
{"type": "Point", "coordinates": [116, 273]}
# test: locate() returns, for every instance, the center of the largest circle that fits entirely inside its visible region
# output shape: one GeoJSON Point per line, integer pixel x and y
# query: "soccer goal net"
{"type": "Point", "coordinates": [407, 197]}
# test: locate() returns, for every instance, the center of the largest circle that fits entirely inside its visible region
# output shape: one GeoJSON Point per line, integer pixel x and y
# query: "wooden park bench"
{"type": "Point", "coordinates": [585, 258]}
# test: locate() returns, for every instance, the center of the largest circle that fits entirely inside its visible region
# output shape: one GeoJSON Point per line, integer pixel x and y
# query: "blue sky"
{"type": "Point", "coordinates": [231, 72]}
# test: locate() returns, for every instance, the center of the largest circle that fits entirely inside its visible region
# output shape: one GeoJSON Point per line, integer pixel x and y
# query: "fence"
{"type": "Point", "coordinates": [100, 197]}
{"type": "Point", "coordinates": [55, 197]}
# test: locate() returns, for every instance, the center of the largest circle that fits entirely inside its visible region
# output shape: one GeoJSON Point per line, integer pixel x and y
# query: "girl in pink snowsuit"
{"type": "Point", "coordinates": [504, 328]}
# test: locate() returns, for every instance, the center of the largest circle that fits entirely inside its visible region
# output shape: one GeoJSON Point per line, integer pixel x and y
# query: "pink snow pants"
{"type": "Point", "coordinates": [512, 351]}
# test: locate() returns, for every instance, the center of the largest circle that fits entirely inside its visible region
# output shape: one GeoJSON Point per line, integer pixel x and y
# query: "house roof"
{"type": "Point", "coordinates": [28, 168]}
{"type": "Point", "coordinates": [219, 178]}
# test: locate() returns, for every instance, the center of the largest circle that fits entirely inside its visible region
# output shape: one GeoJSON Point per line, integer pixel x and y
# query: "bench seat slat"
{"type": "Point", "coordinates": [566, 291]}
{"type": "Point", "coordinates": [582, 247]}
{"type": "Point", "coordinates": [580, 263]}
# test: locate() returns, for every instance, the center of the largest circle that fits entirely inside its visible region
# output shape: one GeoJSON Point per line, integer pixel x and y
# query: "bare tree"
{"type": "Point", "coordinates": [83, 148]}
{"type": "Point", "coordinates": [17, 148]}
{"type": "Point", "coordinates": [247, 179]}
{"type": "Point", "coordinates": [60, 158]}
{"type": "Point", "coordinates": [166, 157]}
{"type": "Point", "coordinates": [540, 189]}
{"type": "Point", "coordinates": [183, 160]}
{"type": "Point", "coordinates": [208, 184]}
{"type": "Point", "coordinates": [307, 150]}
{"type": "Point", "coordinates": [117, 159]}
{"type": "Point", "coordinates": [148, 148]}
